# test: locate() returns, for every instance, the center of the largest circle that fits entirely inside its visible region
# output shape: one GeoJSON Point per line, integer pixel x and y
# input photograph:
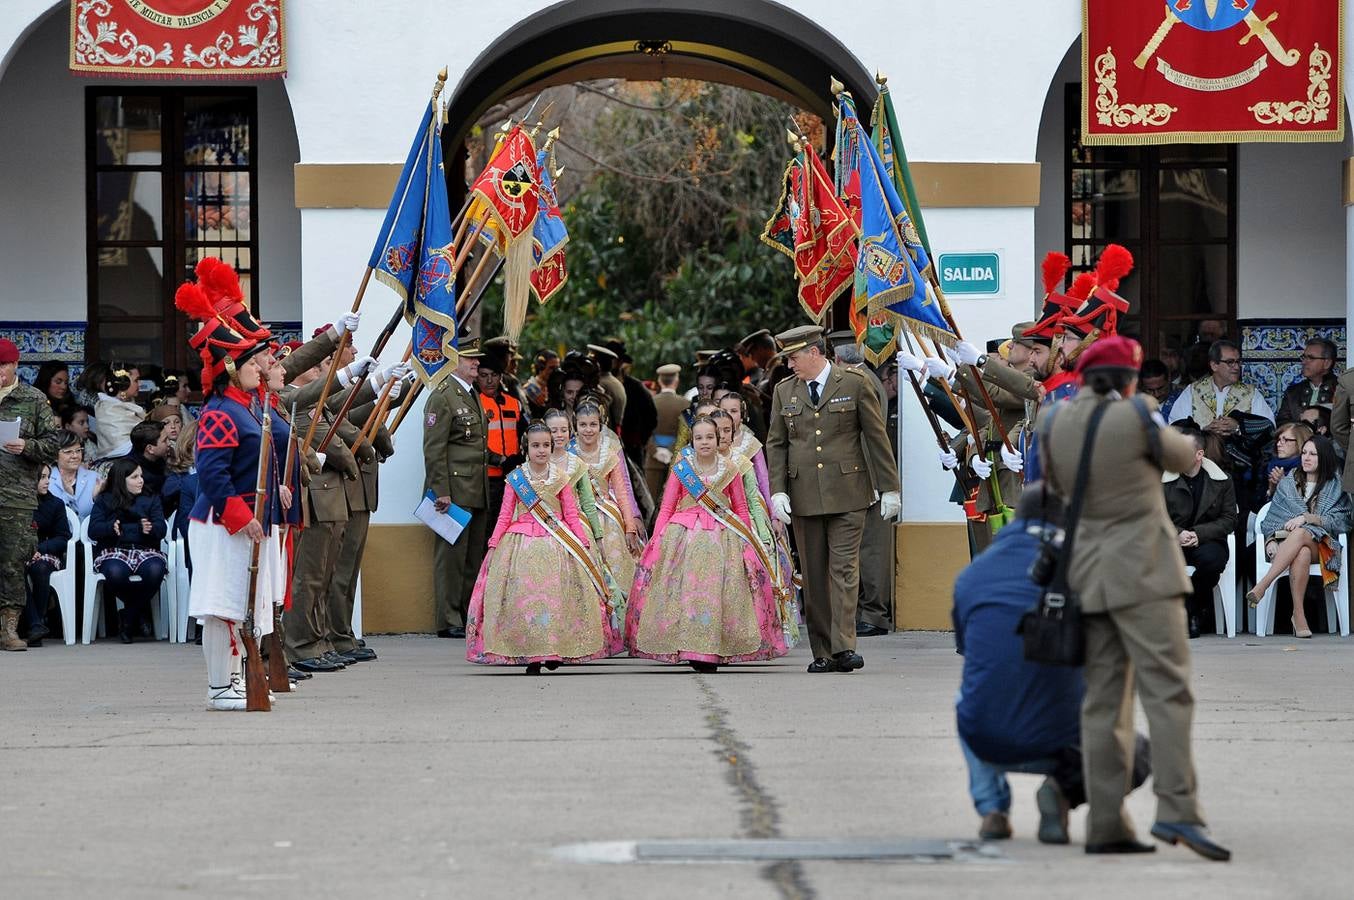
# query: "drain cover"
{"type": "Point", "coordinates": [758, 850]}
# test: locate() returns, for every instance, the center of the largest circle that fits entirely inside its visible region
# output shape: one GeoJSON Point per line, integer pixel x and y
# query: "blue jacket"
{"type": "Point", "coordinates": [105, 513]}
{"type": "Point", "coordinates": [1009, 710]}
{"type": "Point", "coordinates": [229, 435]}
{"type": "Point", "coordinates": [54, 529]}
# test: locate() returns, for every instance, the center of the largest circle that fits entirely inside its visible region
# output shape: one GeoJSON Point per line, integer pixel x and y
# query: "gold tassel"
{"type": "Point", "coordinates": [517, 267]}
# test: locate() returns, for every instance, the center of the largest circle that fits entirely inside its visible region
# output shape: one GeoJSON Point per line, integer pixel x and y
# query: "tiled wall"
{"type": "Point", "coordinates": [1271, 351]}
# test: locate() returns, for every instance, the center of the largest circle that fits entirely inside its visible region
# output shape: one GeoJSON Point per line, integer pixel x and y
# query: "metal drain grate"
{"type": "Point", "coordinates": [775, 850]}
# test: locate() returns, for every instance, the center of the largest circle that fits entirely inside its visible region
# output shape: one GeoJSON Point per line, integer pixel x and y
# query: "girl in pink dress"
{"type": "Point", "coordinates": [702, 591]}
{"type": "Point", "coordinates": [540, 598]}
{"type": "Point", "coordinates": [622, 538]}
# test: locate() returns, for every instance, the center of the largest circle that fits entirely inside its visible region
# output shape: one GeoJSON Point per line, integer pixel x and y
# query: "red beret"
{"type": "Point", "coordinates": [321, 330]}
{"type": "Point", "coordinates": [9, 352]}
{"type": "Point", "coordinates": [1116, 352]}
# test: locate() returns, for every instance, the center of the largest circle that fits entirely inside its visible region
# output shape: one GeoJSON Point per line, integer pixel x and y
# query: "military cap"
{"type": "Point", "coordinates": [1018, 335]}
{"type": "Point", "coordinates": [1117, 352]}
{"type": "Point", "coordinates": [470, 349]}
{"type": "Point", "coordinates": [599, 350]}
{"type": "Point", "coordinates": [668, 369]}
{"type": "Point", "coordinates": [747, 341]}
{"type": "Point", "coordinates": [502, 342]}
{"type": "Point", "coordinates": [844, 336]}
{"type": "Point", "coordinates": [799, 338]}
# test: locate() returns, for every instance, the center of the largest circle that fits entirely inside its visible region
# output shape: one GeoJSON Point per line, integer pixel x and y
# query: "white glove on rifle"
{"type": "Point", "coordinates": [949, 459]}
{"type": "Point", "coordinates": [910, 362]}
{"type": "Point", "coordinates": [354, 370]}
{"type": "Point", "coordinates": [780, 507]}
{"type": "Point", "coordinates": [966, 353]}
{"type": "Point", "coordinates": [939, 368]}
{"type": "Point", "coordinates": [321, 457]}
{"type": "Point", "coordinates": [395, 370]}
{"type": "Point", "coordinates": [1012, 459]}
{"type": "Point", "coordinates": [981, 467]}
{"type": "Point", "coordinates": [347, 323]}
{"type": "Point", "coordinates": [889, 505]}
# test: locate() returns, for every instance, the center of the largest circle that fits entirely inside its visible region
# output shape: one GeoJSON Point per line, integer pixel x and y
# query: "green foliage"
{"type": "Point", "coordinates": [663, 242]}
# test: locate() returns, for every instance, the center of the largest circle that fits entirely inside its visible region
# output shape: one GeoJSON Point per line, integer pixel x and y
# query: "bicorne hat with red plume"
{"type": "Point", "coordinates": [230, 334]}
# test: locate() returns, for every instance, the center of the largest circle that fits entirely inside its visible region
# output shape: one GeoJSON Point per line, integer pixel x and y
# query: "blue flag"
{"type": "Point", "coordinates": [434, 294]}
{"type": "Point", "coordinates": [395, 257]}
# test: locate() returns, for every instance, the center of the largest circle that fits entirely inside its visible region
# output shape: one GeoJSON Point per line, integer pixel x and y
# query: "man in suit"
{"type": "Point", "coordinates": [829, 458]}
{"type": "Point", "coordinates": [454, 459]}
{"type": "Point", "coordinates": [1129, 574]}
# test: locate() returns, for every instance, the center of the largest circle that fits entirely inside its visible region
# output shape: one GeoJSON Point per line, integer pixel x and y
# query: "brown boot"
{"type": "Point", "coordinates": [995, 827]}
{"type": "Point", "coordinates": [9, 630]}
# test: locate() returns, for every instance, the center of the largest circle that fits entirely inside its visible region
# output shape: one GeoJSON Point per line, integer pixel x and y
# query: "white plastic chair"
{"type": "Point", "coordinates": [171, 585]}
{"type": "Point", "coordinates": [1337, 600]}
{"type": "Point", "coordinates": [1224, 593]}
{"type": "Point", "coordinates": [94, 593]}
{"type": "Point", "coordinates": [63, 580]}
{"type": "Point", "coordinates": [181, 590]}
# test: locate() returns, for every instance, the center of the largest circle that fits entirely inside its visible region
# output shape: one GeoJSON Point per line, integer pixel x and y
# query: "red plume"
{"type": "Point", "coordinates": [192, 302]}
{"type": "Point", "coordinates": [219, 280]}
{"type": "Point", "coordinates": [1114, 263]}
{"type": "Point", "coordinates": [1055, 268]}
{"type": "Point", "coordinates": [1082, 286]}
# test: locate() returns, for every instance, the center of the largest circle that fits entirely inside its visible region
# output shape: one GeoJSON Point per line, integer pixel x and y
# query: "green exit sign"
{"type": "Point", "coordinates": [974, 274]}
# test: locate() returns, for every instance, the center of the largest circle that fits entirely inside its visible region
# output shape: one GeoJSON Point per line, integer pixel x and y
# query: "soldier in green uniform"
{"type": "Point", "coordinates": [670, 406]}
{"type": "Point", "coordinates": [21, 462]}
{"type": "Point", "coordinates": [454, 459]}
{"type": "Point", "coordinates": [829, 457]}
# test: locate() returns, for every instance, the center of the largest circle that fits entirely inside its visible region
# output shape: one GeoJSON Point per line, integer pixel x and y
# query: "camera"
{"type": "Point", "coordinates": [1050, 551]}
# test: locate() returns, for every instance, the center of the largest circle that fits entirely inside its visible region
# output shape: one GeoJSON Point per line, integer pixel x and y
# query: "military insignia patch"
{"type": "Point", "coordinates": [431, 420]}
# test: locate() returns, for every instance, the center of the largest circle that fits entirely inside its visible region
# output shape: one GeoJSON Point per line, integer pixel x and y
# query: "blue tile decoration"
{"type": "Point", "coordinates": [39, 342]}
{"type": "Point", "coordinates": [1271, 350]}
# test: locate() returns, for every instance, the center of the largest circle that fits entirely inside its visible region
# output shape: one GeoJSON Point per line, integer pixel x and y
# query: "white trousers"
{"type": "Point", "coordinates": [221, 648]}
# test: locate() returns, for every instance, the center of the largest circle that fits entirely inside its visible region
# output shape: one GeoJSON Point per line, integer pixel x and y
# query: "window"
{"type": "Point", "coordinates": [1174, 207]}
{"type": "Point", "coordinates": [171, 177]}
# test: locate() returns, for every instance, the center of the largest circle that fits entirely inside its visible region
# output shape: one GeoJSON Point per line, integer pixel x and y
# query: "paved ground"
{"type": "Point", "coordinates": [420, 775]}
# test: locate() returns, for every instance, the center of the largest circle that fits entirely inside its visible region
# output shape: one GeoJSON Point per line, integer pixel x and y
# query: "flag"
{"type": "Point", "coordinates": [395, 257]}
{"type": "Point", "coordinates": [891, 257]}
{"type": "Point", "coordinates": [779, 233]}
{"type": "Point", "coordinates": [824, 236]}
{"type": "Point", "coordinates": [548, 237]}
{"type": "Point", "coordinates": [507, 195]}
{"type": "Point", "coordinates": [434, 298]}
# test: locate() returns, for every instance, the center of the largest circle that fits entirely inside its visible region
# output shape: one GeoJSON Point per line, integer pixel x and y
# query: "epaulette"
{"type": "Point", "coordinates": [791, 377]}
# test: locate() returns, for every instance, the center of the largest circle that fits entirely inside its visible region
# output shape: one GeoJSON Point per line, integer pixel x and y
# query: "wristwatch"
{"type": "Point", "coordinates": [982, 361]}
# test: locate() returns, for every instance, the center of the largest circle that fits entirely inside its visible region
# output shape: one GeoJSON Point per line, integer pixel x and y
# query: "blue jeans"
{"type": "Point", "coordinates": [987, 783]}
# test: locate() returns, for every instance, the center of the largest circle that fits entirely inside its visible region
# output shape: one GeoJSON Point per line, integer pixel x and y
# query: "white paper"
{"type": "Point", "coordinates": [9, 430]}
{"type": "Point", "coordinates": [448, 525]}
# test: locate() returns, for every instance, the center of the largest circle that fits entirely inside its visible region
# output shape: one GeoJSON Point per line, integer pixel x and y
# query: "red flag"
{"type": "Point", "coordinates": [509, 187]}
{"type": "Point", "coordinates": [825, 238]}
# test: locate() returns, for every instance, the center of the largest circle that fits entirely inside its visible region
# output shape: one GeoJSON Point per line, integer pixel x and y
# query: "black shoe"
{"type": "Point", "coordinates": [533, 668]}
{"type": "Point", "coordinates": [1195, 837]}
{"type": "Point", "coordinates": [1193, 627]}
{"type": "Point", "coordinates": [553, 664]}
{"type": "Point", "coordinates": [34, 642]}
{"type": "Point", "coordinates": [704, 668]}
{"type": "Point", "coordinates": [37, 633]}
{"type": "Point", "coordinates": [295, 674]}
{"type": "Point", "coordinates": [865, 629]}
{"type": "Point", "coordinates": [822, 664]}
{"type": "Point", "coordinates": [358, 654]}
{"type": "Point", "coordinates": [315, 664]}
{"type": "Point", "coordinates": [197, 638]}
{"type": "Point", "coordinates": [334, 658]}
{"type": "Point", "coordinates": [1121, 847]}
{"type": "Point", "coordinates": [848, 661]}
{"type": "Point", "coordinates": [124, 626]}
{"type": "Point", "coordinates": [455, 631]}
{"type": "Point", "coordinates": [361, 643]}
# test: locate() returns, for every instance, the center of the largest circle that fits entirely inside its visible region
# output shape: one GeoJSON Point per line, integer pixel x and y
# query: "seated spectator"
{"type": "Point", "coordinates": [171, 416]}
{"type": "Point", "coordinates": [116, 414]}
{"type": "Point", "coordinates": [176, 392]}
{"type": "Point", "coordinates": [1210, 401]}
{"type": "Point", "coordinates": [127, 525]}
{"type": "Point", "coordinates": [91, 383]}
{"type": "Point", "coordinates": [72, 483]}
{"type": "Point", "coordinates": [1014, 715]}
{"type": "Point", "coordinates": [76, 420]}
{"type": "Point", "coordinates": [181, 486]}
{"type": "Point", "coordinates": [1317, 385]}
{"type": "Point", "coordinates": [1286, 455]}
{"type": "Point", "coordinates": [1202, 506]}
{"type": "Point", "coordinates": [1154, 379]}
{"type": "Point", "coordinates": [1318, 418]}
{"type": "Point", "coordinates": [54, 533]}
{"type": "Point", "coordinates": [1310, 508]}
{"type": "Point", "coordinates": [150, 450]}
{"type": "Point", "coordinates": [54, 380]}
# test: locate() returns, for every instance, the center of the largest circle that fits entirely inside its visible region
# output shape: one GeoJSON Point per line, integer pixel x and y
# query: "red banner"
{"type": "Point", "coordinates": [231, 39]}
{"type": "Point", "coordinates": [1197, 71]}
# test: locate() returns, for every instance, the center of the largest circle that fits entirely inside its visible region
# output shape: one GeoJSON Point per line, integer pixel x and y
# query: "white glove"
{"type": "Point", "coordinates": [981, 467]}
{"type": "Point", "coordinates": [321, 457]}
{"type": "Point", "coordinates": [967, 353]}
{"type": "Point", "coordinates": [354, 370]}
{"type": "Point", "coordinates": [1012, 459]}
{"type": "Point", "coordinates": [780, 507]}
{"type": "Point", "coordinates": [948, 459]}
{"type": "Point", "coordinates": [395, 389]}
{"type": "Point", "coordinates": [939, 368]}
{"type": "Point", "coordinates": [347, 323]}
{"type": "Point", "coordinates": [889, 505]}
{"type": "Point", "coordinates": [910, 362]}
{"type": "Point", "coordinates": [663, 455]}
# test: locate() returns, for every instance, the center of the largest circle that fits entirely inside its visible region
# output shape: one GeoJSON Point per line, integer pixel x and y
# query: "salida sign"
{"type": "Point", "coordinates": [974, 274]}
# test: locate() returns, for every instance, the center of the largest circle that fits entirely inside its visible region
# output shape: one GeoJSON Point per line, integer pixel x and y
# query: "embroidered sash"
{"type": "Point", "coordinates": [695, 486]}
{"type": "Point", "coordinates": [547, 519]}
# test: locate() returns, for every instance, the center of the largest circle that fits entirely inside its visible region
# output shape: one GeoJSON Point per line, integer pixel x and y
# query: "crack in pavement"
{"type": "Point", "coordinates": [760, 813]}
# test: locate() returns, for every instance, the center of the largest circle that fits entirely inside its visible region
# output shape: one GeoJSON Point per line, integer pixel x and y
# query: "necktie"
{"type": "Point", "coordinates": [813, 392]}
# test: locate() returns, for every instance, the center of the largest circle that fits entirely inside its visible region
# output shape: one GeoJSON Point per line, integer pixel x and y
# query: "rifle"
{"type": "Point", "coordinates": [277, 657]}
{"type": "Point", "coordinates": [255, 679]}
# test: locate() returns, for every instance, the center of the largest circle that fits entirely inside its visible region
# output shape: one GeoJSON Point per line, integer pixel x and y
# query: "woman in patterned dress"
{"type": "Point", "coordinates": [702, 593]}
{"type": "Point", "coordinates": [540, 597]}
{"type": "Point", "coordinates": [600, 449]}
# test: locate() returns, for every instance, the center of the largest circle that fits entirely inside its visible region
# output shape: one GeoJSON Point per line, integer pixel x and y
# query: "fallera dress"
{"type": "Point", "coordinates": [615, 501]}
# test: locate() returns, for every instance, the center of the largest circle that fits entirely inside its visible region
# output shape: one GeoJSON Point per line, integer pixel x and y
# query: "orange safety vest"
{"type": "Point", "coordinates": [501, 418]}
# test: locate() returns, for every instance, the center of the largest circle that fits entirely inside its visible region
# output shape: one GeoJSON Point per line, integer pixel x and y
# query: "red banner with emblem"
{"type": "Point", "coordinates": [1199, 71]}
{"type": "Point", "coordinates": [231, 39]}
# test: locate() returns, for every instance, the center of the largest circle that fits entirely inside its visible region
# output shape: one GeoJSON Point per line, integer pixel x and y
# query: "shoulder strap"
{"type": "Point", "coordinates": [1079, 492]}
{"type": "Point", "coordinates": [1150, 427]}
